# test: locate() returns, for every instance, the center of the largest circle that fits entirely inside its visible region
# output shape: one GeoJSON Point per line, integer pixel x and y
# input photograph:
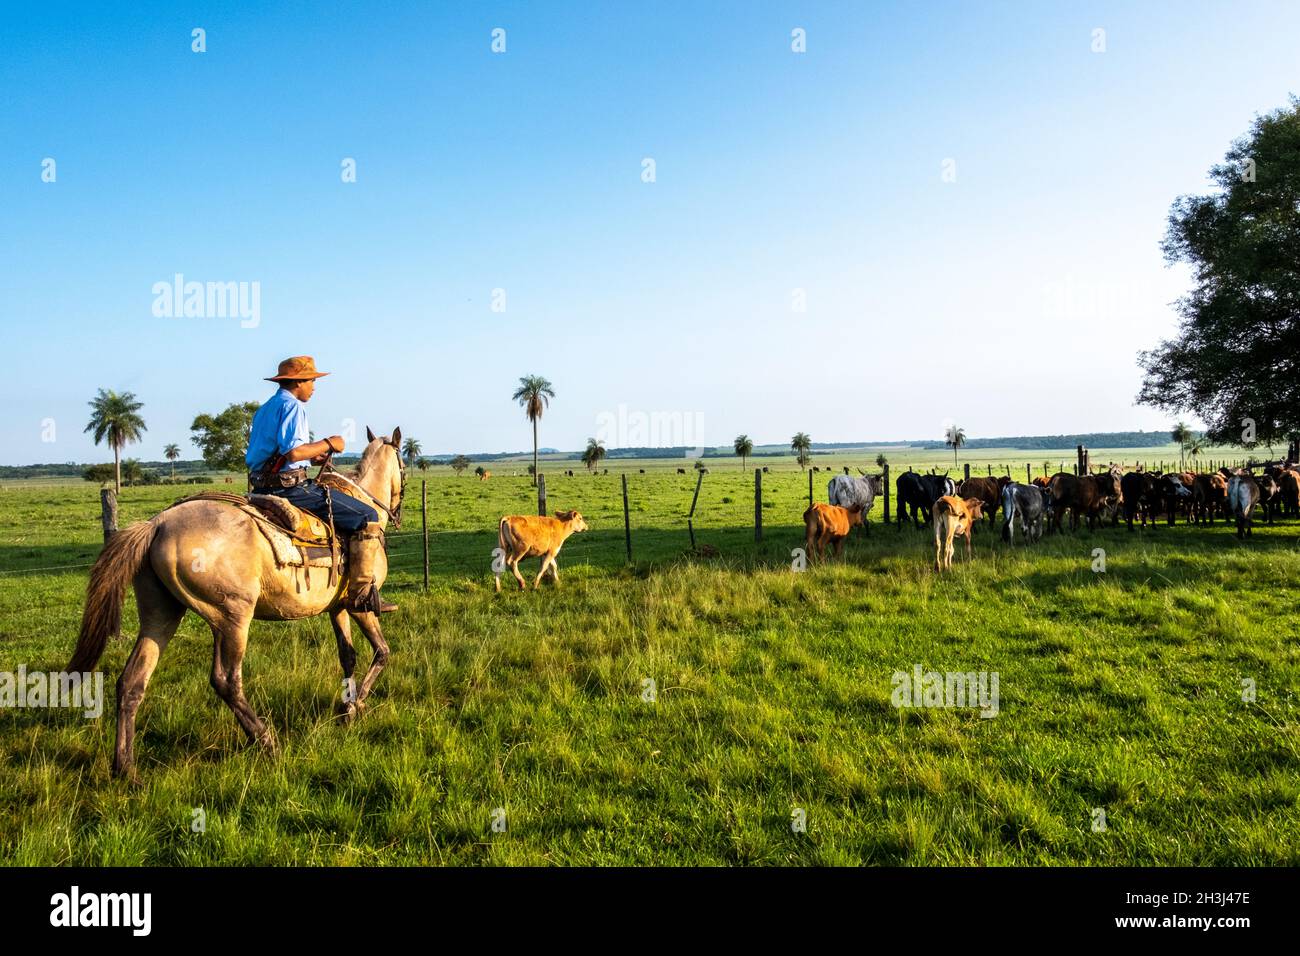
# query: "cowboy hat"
{"type": "Point", "coordinates": [296, 369]}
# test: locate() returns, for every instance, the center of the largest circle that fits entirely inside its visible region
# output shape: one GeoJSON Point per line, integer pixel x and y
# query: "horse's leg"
{"type": "Point", "coordinates": [369, 624]}
{"type": "Point", "coordinates": [160, 615]}
{"type": "Point", "coordinates": [347, 660]}
{"type": "Point", "coordinates": [231, 639]}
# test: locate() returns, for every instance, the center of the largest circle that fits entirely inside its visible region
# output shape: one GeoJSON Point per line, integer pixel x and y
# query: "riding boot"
{"type": "Point", "coordinates": [364, 548]}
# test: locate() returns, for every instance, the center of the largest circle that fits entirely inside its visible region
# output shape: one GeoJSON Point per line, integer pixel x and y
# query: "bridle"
{"type": "Point", "coordinates": [394, 513]}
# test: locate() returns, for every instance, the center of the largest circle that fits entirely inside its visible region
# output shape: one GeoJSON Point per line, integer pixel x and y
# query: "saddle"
{"type": "Point", "coordinates": [298, 539]}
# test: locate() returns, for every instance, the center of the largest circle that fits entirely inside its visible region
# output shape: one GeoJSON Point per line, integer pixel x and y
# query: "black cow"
{"type": "Point", "coordinates": [1141, 493]}
{"type": "Point", "coordinates": [919, 493]}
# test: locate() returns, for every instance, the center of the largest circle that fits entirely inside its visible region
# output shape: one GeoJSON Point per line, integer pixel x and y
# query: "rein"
{"type": "Point", "coordinates": [393, 513]}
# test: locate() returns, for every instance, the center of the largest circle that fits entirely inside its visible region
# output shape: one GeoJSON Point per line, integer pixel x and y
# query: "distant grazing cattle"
{"type": "Point", "coordinates": [1243, 495]}
{"type": "Point", "coordinates": [1209, 496]}
{"type": "Point", "coordinates": [569, 472]}
{"type": "Point", "coordinates": [643, 471]}
{"type": "Point", "coordinates": [987, 490]}
{"type": "Point", "coordinates": [848, 492]}
{"type": "Point", "coordinates": [765, 469]}
{"type": "Point", "coordinates": [953, 516]}
{"type": "Point", "coordinates": [1026, 504]}
{"type": "Point", "coordinates": [681, 471]}
{"type": "Point", "coordinates": [533, 536]}
{"type": "Point", "coordinates": [1141, 493]}
{"type": "Point", "coordinates": [484, 475]}
{"type": "Point", "coordinates": [823, 523]}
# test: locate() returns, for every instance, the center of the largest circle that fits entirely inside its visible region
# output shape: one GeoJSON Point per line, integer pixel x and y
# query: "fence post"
{"type": "Point", "coordinates": [885, 481]}
{"type": "Point", "coordinates": [424, 527]}
{"type": "Point", "coordinates": [627, 522]}
{"type": "Point", "coordinates": [690, 518]}
{"type": "Point", "coordinates": [541, 495]}
{"type": "Point", "coordinates": [1029, 474]}
{"type": "Point", "coordinates": [108, 512]}
{"type": "Point", "coordinates": [758, 505]}
{"type": "Point", "coordinates": [990, 468]}
{"type": "Point", "coordinates": [966, 468]}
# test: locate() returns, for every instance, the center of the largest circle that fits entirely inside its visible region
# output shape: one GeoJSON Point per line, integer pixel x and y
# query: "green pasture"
{"type": "Point", "coordinates": [1120, 692]}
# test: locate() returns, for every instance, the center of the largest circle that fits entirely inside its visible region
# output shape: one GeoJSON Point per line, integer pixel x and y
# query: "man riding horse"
{"type": "Point", "coordinates": [279, 454]}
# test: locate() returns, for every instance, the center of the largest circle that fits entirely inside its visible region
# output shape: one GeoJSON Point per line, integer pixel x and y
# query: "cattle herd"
{"type": "Point", "coordinates": [1064, 499]}
{"type": "Point", "coordinates": [956, 508]}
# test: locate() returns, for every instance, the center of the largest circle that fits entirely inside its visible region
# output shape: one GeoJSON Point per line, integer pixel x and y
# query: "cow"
{"type": "Point", "coordinates": [536, 536]}
{"type": "Point", "coordinates": [1243, 495]}
{"type": "Point", "coordinates": [1141, 494]}
{"type": "Point", "coordinates": [1209, 495]}
{"type": "Point", "coordinates": [1270, 495]}
{"type": "Point", "coordinates": [1029, 504]}
{"type": "Point", "coordinates": [953, 516]}
{"type": "Point", "coordinates": [765, 469]}
{"type": "Point", "coordinates": [681, 471]}
{"type": "Point", "coordinates": [1176, 489]}
{"type": "Point", "coordinates": [484, 475]}
{"type": "Point", "coordinates": [987, 490]}
{"type": "Point", "coordinates": [1086, 494]}
{"type": "Point", "coordinates": [1290, 484]}
{"type": "Point", "coordinates": [642, 471]}
{"type": "Point", "coordinates": [846, 492]}
{"type": "Point", "coordinates": [831, 523]}
{"type": "Point", "coordinates": [920, 492]}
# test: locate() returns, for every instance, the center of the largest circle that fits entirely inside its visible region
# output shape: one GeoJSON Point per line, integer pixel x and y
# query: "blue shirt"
{"type": "Point", "coordinates": [278, 426]}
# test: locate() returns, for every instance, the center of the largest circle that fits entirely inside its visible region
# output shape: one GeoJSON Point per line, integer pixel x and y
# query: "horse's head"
{"type": "Point", "coordinates": [384, 451]}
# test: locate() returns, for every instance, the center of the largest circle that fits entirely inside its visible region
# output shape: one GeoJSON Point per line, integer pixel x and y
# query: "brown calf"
{"type": "Point", "coordinates": [828, 523]}
{"type": "Point", "coordinates": [536, 536]}
{"type": "Point", "coordinates": [987, 490]}
{"type": "Point", "coordinates": [953, 516]}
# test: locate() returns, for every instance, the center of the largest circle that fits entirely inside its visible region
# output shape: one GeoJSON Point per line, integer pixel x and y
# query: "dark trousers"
{"type": "Point", "coordinates": [349, 514]}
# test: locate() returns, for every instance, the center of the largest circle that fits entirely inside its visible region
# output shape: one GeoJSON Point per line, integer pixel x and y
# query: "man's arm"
{"type": "Point", "coordinates": [315, 450]}
{"type": "Point", "coordinates": [294, 444]}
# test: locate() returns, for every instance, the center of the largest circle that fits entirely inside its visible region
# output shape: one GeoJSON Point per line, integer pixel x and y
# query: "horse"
{"type": "Point", "coordinates": [209, 557]}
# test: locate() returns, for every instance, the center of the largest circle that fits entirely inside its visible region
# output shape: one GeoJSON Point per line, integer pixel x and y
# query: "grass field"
{"type": "Point", "coordinates": [1119, 691]}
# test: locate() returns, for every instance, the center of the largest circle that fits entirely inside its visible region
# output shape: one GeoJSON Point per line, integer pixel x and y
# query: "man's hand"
{"type": "Point", "coordinates": [316, 452]}
{"type": "Point", "coordinates": [335, 442]}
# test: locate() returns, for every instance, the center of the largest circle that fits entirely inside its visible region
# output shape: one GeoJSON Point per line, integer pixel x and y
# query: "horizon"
{"type": "Point", "coordinates": [930, 216]}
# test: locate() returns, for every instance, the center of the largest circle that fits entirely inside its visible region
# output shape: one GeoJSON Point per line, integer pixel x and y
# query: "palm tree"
{"type": "Point", "coordinates": [1183, 435]}
{"type": "Point", "coordinates": [881, 460]}
{"type": "Point", "coordinates": [801, 443]}
{"type": "Point", "coordinates": [422, 463]}
{"type": "Point", "coordinates": [954, 438]}
{"type": "Point", "coordinates": [744, 447]}
{"type": "Point", "coordinates": [131, 471]}
{"type": "Point", "coordinates": [411, 450]}
{"type": "Point", "coordinates": [171, 453]}
{"type": "Point", "coordinates": [459, 464]}
{"type": "Point", "coordinates": [594, 453]}
{"type": "Point", "coordinates": [534, 394]}
{"type": "Point", "coordinates": [115, 417]}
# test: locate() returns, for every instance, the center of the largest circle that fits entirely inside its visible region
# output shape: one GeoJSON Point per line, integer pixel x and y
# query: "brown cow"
{"type": "Point", "coordinates": [536, 536]}
{"type": "Point", "coordinates": [484, 475]}
{"type": "Point", "coordinates": [831, 523]}
{"type": "Point", "coordinates": [953, 516]}
{"type": "Point", "coordinates": [1290, 482]}
{"type": "Point", "coordinates": [1086, 494]}
{"type": "Point", "coordinates": [987, 490]}
{"type": "Point", "coordinates": [1209, 495]}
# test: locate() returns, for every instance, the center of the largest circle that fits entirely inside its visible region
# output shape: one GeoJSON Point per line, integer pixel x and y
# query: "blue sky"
{"type": "Point", "coordinates": [1012, 300]}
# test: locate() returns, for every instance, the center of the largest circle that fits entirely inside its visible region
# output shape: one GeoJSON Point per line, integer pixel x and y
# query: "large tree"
{"type": "Point", "coordinates": [116, 418]}
{"type": "Point", "coordinates": [594, 453]}
{"type": "Point", "coordinates": [534, 394]}
{"type": "Point", "coordinates": [223, 438]}
{"type": "Point", "coordinates": [171, 453]}
{"type": "Point", "coordinates": [801, 444]}
{"type": "Point", "coordinates": [744, 447]}
{"type": "Point", "coordinates": [1236, 359]}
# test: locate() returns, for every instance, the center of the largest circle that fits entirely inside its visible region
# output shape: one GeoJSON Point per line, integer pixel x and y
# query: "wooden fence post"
{"type": "Point", "coordinates": [424, 527]}
{"type": "Point", "coordinates": [1029, 474]}
{"type": "Point", "coordinates": [758, 505]}
{"type": "Point", "coordinates": [541, 495]}
{"type": "Point", "coordinates": [690, 518]}
{"type": "Point", "coordinates": [966, 471]}
{"type": "Point", "coordinates": [885, 481]}
{"type": "Point", "coordinates": [108, 512]}
{"type": "Point", "coordinates": [627, 522]}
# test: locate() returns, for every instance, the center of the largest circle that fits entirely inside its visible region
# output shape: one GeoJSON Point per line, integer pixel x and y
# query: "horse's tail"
{"type": "Point", "coordinates": [118, 563]}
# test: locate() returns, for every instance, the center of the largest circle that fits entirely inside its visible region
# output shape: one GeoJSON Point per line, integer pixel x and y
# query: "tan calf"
{"type": "Point", "coordinates": [533, 536]}
{"type": "Point", "coordinates": [831, 523]}
{"type": "Point", "coordinates": [953, 516]}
